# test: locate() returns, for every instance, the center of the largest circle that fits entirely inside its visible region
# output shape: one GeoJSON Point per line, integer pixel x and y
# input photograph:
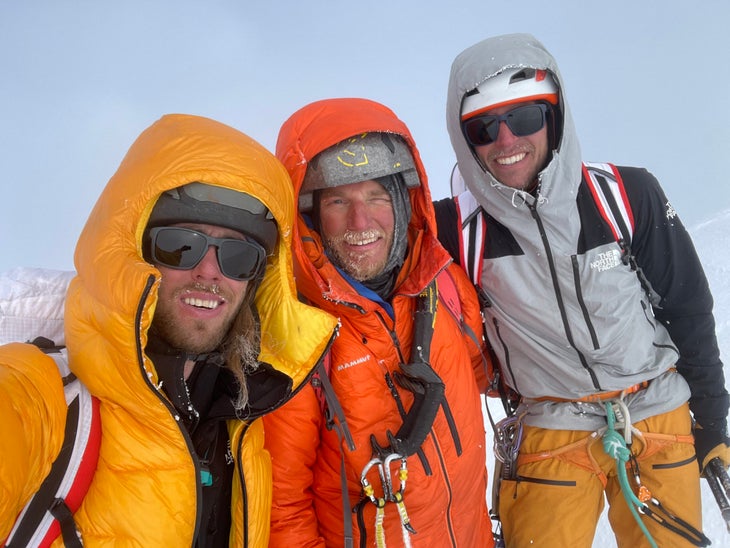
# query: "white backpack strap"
{"type": "Point", "coordinates": [472, 235]}
{"type": "Point", "coordinates": [607, 188]}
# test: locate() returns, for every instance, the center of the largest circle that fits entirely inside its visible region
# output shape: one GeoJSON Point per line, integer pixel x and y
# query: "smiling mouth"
{"type": "Point", "coordinates": [208, 304]}
{"type": "Point", "coordinates": [361, 238]}
{"type": "Point", "coordinates": [510, 160]}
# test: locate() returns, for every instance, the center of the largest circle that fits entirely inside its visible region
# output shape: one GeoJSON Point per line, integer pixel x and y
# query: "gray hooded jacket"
{"type": "Point", "coordinates": [564, 324]}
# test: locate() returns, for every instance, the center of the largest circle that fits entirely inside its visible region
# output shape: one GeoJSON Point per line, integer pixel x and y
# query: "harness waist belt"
{"type": "Point", "coordinates": [600, 396]}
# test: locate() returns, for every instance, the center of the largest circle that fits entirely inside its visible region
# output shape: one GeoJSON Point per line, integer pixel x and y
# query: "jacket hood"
{"type": "Point", "coordinates": [112, 300]}
{"type": "Point", "coordinates": [322, 124]}
{"type": "Point", "coordinates": [472, 67]}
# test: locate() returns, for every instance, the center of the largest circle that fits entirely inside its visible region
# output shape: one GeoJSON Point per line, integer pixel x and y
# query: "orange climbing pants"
{"type": "Point", "coordinates": [563, 475]}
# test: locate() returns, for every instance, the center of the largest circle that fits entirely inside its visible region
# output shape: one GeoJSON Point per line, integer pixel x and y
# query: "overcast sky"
{"type": "Point", "coordinates": [647, 82]}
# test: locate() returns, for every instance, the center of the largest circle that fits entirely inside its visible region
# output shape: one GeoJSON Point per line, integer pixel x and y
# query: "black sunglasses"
{"type": "Point", "coordinates": [183, 248]}
{"type": "Point", "coordinates": [521, 121]}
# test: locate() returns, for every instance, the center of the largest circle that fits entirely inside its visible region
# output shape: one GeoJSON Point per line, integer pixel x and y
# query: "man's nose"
{"type": "Point", "coordinates": [505, 135]}
{"type": "Point", "coordinates": [359, 216]}
{"type": "Point", "coordinates": [208, 267]}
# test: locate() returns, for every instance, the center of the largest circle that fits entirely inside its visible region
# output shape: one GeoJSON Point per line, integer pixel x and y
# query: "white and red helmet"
{"type": "Point", "coordinates": [512, 85]}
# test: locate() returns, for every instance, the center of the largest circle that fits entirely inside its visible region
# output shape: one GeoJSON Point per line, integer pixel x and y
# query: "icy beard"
{"type": "Point", "coordinates": [361, 267]}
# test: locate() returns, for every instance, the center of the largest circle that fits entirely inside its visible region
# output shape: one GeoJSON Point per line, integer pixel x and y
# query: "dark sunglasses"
{"type": "Point", "coordinates": [521, 121]}
{"type": "Point", "coordinates": [183, 248]}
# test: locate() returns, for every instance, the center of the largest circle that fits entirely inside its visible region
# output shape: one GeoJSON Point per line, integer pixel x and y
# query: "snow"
{"type": "Point", "coordinates": [711, 239]}
{"type": "Point", "coordinates": [19, 290]}
{"type": "Point", "coordinates": [31, 304]}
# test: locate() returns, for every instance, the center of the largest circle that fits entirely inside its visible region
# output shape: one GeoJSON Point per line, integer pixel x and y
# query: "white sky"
{"type": "Point", "coordinates": [647, 82]}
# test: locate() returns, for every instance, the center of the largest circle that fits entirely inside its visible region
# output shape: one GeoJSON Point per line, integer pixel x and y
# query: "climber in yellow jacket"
{"type": "Point", "coordinates": [183, 321]}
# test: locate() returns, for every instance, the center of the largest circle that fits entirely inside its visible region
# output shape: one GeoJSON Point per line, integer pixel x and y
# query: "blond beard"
{"type": "Point", "coordinates": [357, 265]}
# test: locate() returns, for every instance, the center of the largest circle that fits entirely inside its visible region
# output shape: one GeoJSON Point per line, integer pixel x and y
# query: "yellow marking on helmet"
{"type": "Point", "coordinates": [353, 140]}
{"type": "Point", "coordinates": [364, 161]}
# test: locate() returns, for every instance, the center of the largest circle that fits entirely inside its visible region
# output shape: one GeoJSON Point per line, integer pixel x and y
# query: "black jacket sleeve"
{"type": "Point", "coordinates": [664, 251]}
{"type": "Point", "coordinates": [447, 224]}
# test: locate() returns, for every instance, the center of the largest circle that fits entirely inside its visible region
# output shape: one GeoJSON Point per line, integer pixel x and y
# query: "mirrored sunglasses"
{"type": "Point", "coordinates": [521, 121]}
{"type": "Point", "coordinates": [183, 248]}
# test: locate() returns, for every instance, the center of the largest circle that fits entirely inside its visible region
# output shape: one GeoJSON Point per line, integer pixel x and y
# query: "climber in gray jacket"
{"type": "Point", "coordinates": [596, 306]}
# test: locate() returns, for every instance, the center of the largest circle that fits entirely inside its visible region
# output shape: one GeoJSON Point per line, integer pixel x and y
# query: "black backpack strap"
{"type": "Point", "coordinates": [60, 510]}
{"type": "Point", "coordinates": [472, 229]}
{"type": "Point", "coordinates": [419, 378]}
{"type": "Point", "coordinates": [335, 420]}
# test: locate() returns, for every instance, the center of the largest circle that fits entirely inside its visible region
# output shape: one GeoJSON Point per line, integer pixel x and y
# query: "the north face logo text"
{"type": "Point", "coordinates": [606, 261]}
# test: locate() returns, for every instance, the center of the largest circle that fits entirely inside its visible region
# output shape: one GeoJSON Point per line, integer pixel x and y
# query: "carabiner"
{"type": "Point", "coordinates": [368, 489]}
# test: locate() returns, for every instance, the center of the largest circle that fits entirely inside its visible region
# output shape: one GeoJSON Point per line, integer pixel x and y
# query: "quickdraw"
{"type": "Point", "coordinates": [617, 446]}
{"type": "Point", "coordinates": [389, 494]}
{"type": "Point", "coordinates": [682, 528]}
{"type": "Point", "coordinates": [507, 441]}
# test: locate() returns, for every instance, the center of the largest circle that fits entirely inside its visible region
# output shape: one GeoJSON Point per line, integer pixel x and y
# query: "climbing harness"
{"type": "Point", "coordinates": [388, 494]}
{"type": "Point", "coordinates": [617, 446]}
{"type": "Point", "coordinates": [428, 390]}
{"type": "Point", "coordinates": [419, 378]}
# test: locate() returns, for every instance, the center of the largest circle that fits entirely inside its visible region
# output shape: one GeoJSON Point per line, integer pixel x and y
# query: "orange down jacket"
{"type": "Point", "coordinates": [445, 491]}
{"type": "Point", "coordinates": [146, 489]}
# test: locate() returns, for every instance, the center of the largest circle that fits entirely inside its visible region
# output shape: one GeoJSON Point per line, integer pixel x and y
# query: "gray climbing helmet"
{"type": "Point", "coordinates": [362, 157]}
{"type": "Point", "coordinates": [209, 204]}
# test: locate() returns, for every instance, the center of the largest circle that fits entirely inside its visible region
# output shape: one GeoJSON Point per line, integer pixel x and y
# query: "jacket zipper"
{"type": "Point", "coordinates": [168, 405]}
{"type": "Point", "coordinates": [449, 490]}
{"type": "Point", "coordinates": [582, 304]}
{"type": "Point", "coordinates": [559, 296]}
{"type": "Point", "coordinates": [505, 350]}
{"type": "Point", "coordinates": [242, 481]}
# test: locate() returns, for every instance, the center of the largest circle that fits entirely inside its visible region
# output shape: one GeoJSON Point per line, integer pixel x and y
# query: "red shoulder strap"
{"type": "Point", "coordinates": [49, 512]}
{"type": "Point", "coordinates": [448, 294]}
{"type": "Point", "coordinates": [607, 189]}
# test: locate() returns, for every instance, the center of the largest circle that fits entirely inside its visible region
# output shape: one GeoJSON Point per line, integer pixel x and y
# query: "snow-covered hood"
{"type": "Point", "coordinates": [472, 67]}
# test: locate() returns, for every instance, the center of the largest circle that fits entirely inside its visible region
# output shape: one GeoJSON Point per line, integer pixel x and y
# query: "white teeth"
{"type": "Point", "coordinates": [509, 160]}
{"type": "Point", "coordinates": [200, 303]}
{"type": "Point", "coordinates": [362, 238]}
{"type": "Point", "coordinates": [364, 242]}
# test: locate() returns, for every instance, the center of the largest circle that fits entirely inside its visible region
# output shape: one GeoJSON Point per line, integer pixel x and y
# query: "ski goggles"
{"type": "Point", "coordinates": [183, 248]}
{"type": "Point", "coordinates": [521, 121]}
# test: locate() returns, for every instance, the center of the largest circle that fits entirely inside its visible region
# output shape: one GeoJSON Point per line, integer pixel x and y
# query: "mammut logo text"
{"type": "Point", "coordinates": [353, 363]}
{"type": "Point", "coordinates": [606, 261]}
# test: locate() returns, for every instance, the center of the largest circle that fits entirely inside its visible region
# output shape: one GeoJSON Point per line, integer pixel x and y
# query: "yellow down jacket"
{"type": "Point", "coordinates": [146, 488]}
